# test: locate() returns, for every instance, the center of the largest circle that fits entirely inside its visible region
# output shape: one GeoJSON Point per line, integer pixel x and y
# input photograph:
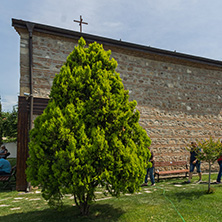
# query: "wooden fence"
{"type": "Point", "coordinates": [39, 104]}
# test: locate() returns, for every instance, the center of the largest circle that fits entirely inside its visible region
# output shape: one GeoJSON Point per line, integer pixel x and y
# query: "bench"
{"type": "Point", "coordinates": [8, 178]}
{"type": "Point", "coordinates": [165, 168]}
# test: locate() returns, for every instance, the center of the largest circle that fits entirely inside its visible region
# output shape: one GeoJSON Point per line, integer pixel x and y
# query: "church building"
{"type": "Point", "coordinates": [179, 96]}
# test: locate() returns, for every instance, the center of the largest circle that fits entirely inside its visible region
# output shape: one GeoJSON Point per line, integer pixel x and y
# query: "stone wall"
{"type": "Point", "coordinates": [179, 100]}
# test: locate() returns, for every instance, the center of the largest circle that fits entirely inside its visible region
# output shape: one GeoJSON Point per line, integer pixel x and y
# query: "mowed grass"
{"type": "Point", "coordinates": [12, 161]}
{"type": "Point", "coordinates": [171, 200]}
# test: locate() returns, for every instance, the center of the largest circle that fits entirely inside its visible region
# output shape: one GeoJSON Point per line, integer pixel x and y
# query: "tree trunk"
{"type": "Point", "coordinates": [82, 204]}
{"type": "Point", "coordinates": [84, 208]}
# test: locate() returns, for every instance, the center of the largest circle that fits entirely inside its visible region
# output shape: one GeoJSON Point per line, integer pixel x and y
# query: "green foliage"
{"type": "Point", "coordinates": [211, 150]}
{"type": "Point", "coordinates": [8, 125]}
{"type": "Point", "coordinates": [89, 133]}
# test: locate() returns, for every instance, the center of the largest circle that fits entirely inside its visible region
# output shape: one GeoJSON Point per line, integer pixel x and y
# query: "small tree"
{"type": "Point", "coordinates": [9, 125]}
{"type": "Point", "coordinates": [89, 133]}
{"type": "Point", "coordinates": [210, 152]}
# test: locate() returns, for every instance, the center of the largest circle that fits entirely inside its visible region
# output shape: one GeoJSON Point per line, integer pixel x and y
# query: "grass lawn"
{"type": "Point", "coordinates": [12, 161]}
{"type": "Point", "coordinates": [165, 202]}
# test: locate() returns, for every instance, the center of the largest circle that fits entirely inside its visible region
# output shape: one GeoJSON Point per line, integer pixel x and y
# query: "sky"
{"type": "Point", "coordinates": [188, 26]}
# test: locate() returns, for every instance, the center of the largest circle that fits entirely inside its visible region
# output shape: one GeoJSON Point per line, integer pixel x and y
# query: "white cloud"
{"type": "Point", "coordinates": [189, 26]}
{"type": "Point", "coordinates": [8, 101]}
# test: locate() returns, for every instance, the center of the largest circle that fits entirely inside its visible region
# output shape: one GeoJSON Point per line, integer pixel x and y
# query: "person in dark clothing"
{"type": "Point", "coordinates": [194, 162]}
{"type": "Point", "coordinates": [150, 172]}
{"type": "Point", "coordinates": [219, 161]}
{"type": "Point", "coordinates": [3, 152]}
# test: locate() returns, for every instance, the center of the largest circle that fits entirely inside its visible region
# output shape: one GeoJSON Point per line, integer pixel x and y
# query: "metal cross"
{"type": "Point", "coordinates": [81, 22]}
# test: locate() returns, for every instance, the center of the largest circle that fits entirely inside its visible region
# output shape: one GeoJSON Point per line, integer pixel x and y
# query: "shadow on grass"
{"type": "Point", "coordinates": [98, 212]}
{"type": "Point", "coordinates": [202, 182]}
{"type": "Point", "coordinates": [7, 188]}
{"type": "Point", "coordinates": [188, 195]}
{"type": "Point", "coordinates": [206, 182]}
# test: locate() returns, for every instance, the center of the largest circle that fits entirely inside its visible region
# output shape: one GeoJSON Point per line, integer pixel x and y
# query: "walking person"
{"type": "Point", "coordinates": [150, 172]}
{"type": "Point", "coordinates": [219, 161]}
{"type": "Point", "coordinates": [194, 162]}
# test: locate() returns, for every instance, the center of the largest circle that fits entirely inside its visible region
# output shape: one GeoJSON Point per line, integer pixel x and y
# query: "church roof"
{"type": "Point", "coordinates": [16, 23]}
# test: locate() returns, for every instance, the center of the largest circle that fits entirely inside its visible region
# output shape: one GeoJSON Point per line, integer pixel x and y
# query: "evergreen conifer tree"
{"type": "Point", "coordinates": [89, 133]}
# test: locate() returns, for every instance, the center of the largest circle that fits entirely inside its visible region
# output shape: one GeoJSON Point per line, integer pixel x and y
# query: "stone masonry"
{"type": "Point", "coordinates": [179, 100]}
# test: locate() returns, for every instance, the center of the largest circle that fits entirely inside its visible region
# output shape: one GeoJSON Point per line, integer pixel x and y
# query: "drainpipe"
{"type": "Point", "coordinates": [30, 27]}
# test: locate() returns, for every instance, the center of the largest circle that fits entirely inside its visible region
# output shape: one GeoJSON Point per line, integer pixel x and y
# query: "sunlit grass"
{"type": "Point", "coordinates": [170, 200]}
